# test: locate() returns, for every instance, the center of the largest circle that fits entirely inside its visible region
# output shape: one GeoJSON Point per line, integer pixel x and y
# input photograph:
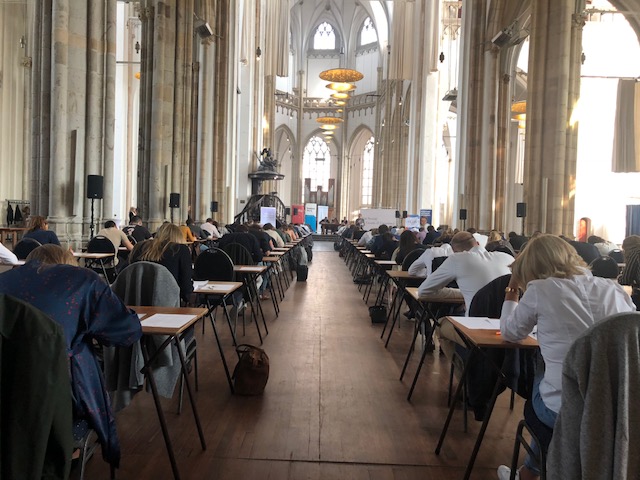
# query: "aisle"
{"type": "Point", "coordinates": [333, 407]}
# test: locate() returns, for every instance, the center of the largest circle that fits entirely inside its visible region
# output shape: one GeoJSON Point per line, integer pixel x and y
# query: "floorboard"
{"type": "Point", "coordinates": [333, 408]}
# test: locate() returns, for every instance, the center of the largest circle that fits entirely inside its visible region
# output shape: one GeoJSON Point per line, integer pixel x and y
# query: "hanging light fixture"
{"type": "Point", "coordinates": [341, 75]}
{"type": "Point", "coordinates": [329, 120]}
{"type": "Point", "coordinates": [341, 86]}
{"type": "Point", "coordinates": [340, 95]}
{"type": "Point", "coordinates": [340, 103]}
{"type": "Point", "coordinates": [328, 127]}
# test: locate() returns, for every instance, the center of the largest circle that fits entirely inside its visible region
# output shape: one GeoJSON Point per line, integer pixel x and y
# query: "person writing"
{"type": "Point", "coordinates": [84, 305]}
{"type": "Point", "coordinates": [563, 299]}
{"type": "Point", "coordinates": [39, 231]}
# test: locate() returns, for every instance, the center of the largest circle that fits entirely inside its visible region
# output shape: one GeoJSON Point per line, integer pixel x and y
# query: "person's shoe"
{"type": "Point", "coordinates": [409, 314]}
{"type": "Point", "coordinates": [504, 473]}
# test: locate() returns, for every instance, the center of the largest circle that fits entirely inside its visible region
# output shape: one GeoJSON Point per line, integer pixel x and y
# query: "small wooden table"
{"type": "Point", "coordinates": [172, 327]}
{"type": "Point", "coordinates": [476, 339]}
{"type": "Point", "coordinates": [13, 231]}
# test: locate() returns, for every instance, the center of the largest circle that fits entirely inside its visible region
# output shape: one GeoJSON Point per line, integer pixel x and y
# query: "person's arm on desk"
{"type": "Point", "coordinates": [518, 317]}
{"type": "Point", "coordinates": [111, 322]}
{"type": "Point", "coordinates": [419, 267]}
{"type": "Point", "coordinates": [438, 279]}
{"type": "Point", "coordinates": [7, 257]}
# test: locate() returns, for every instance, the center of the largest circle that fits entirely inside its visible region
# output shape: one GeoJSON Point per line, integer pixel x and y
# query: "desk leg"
{"type": "Point", "coordinates": [156, 400]}
{"type": "Point", "coordinates": [412, 346]}
{"type": "Point", "coordinates": [425, 319]}
{"type": "Point", "coordinates": [222, 357]}
{"type": "Point", "coordinates": [185, 374]}
{"type": "Point", "coordinates": [264, 322]}
{"type": "Point", "coordinates": [483, 429]}
{"type": "Point", "coordinates": [231, 328]}
{"type": "Point", "coordinates": [400, 295]}
{"type": "Point", "coordinates": [452, 408]}
{"type": "Point", "coordinates": [253, 299]}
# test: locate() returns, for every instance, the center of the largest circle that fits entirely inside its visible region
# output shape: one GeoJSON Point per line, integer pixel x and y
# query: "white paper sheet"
{"type": "Point", "coordinates": [213, 287]}
{"type": "Point", "coordinates": [199, 284]}
{"type": "Point", "coordinates": [479, 323]}
{"type": "Point", "coordinates": [167, 320]}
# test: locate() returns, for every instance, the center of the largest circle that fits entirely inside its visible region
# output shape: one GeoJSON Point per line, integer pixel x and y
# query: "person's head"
{"type": "Point", "coordinates": [423, 221]}
{"type": "Point", "coordinates": [512, 234]}
{"type": "Point", "coordinates": [547, 256]}
{"type": "Point", "coordinates": [387, 237]}
{"type": "Point", "coordinates": [382, 229]}
{"type": "Point", "coordinates": [463, 242]}
{"type": "Point", "coordinates": [167, 235]}
{"type": "Point", "coordinates": [267, 226]}
{"type": "Point", "coordinates": [242, 228]}
{"type": "Point", "coordinates": [109, 224]}
{"type": "Point", "coordinates": [471, 230]}
{"type": "Point", "coordinates": [430, 229]}
{"type": "Point", "coordinates": [595, 239]}
{"type": "Point", "coordinates": [135, 220]}
{"type": "Point", "coordinates": [631, 245]}
{"type": "Point", "coordinates": [209, 220]}
{"type": "Point", "coordinates": [407, 239]}
{"type": "Point", "coordinates": [446, 237]}
{"type": "Point", "coordinates": [38, 222]}
{"type": "Point", "coordinates": [50, 254]}
{"type": "Point", "coordinates": [605, 267]}
{"type": "Point", "coordinates": [494, 236]}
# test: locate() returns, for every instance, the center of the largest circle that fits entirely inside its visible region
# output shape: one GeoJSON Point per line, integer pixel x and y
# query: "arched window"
{"type": "Point", "coordinates": [324, 38]}
{"type": "Point", "coordinates": [368, 33]}
{"type": "Point", "coordinates": [316, 163]}
{"type": "Point", "coordinates": [367, 173]}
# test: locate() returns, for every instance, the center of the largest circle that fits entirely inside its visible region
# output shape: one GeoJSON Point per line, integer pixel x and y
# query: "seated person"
{"type": "Point", "coordinates": [7, 257]}
{"type": "Point", "coordinates": [195, 229]}
{"type": "Point", "coordinates": [168, 249]}
{"type": "Point", "coordinates": [431, 235]}
{"type": "Point", "coordinates": [80, 301]}
{"type": "Point", "coordinates": [244, 238]}
{"type": "Point", "coordinates": [211, 229]}
{"type": "Point", "coordinates": [39, 231]}
{"type": "Point", "coordinates": [562, 299]}
{"type": "Point", "coordinates": [118, 238]}
{"type": "Point", "coordinates": [275, 236]}
{"type": "Point", "coordinates": [187, 234]}
{"type": "Point", "coordinates": [631, 272]}
{"type": "Point", "coordinates": [471, 267]}
{"type": "Point", "coordinates": [408, 243]}
{"type": "Point", "coordinates": [375, 244]}
{"type": "Point", "coordinates": [136, 230]}
{"type": "Point", "coordinates": [587, 251]}
{"type": "Point", "coordinates": [388, 246]}
{"type": "Point", "coordinates": [603, 246]}
{"type": "Point", "coordinates": [423, 265]}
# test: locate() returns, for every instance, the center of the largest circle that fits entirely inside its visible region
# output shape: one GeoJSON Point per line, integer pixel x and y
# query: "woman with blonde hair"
{"type": "Point", "coordinates": [168, 249]}
{"type": "Point", "coordinates": [563, 299]}
{"type": "Point", "coordinates": [39, 231]}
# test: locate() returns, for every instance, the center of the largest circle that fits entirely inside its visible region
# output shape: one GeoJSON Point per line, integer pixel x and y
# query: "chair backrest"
{"type": "Point", "coordinates": [100, 244]}
{"type": "Point", "coordinates": [617, 255]}
{"type": "Point", "coordinates": [34, 361]}
{"type": "Point", "coordinates": [132, 239]}
{"type": "Point", "coordinates": [605, 267]}
{"type": "Point", "coordinates": [24, 247]}
{"type": "Point", "coordinates": [239, 254]}
{"type": "Point", "coordinates": [147, 284]}
{"type": "Point", "coordinates": [598, 428]}
{"type": "Point", "coordinates": [436, 262]}
{"type": "Point", "coordinates": [214, 264]}
{"type": "Point", "coordinates": [412, 256]}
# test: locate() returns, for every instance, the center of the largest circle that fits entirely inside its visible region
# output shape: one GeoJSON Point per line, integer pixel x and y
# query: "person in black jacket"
{"type": "Point", "coordinates": [266, 245]}
{"type": "Point", "coordinates": [168, 249]}
{"type": "Point", "coordinates": [244, 238]}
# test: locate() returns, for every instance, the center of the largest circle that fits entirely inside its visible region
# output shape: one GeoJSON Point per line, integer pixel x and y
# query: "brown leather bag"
{"type": "Point", "coordinates": [252, 370]}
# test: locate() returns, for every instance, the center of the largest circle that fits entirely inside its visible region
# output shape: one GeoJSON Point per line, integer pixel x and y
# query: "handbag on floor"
{"type": "Point", "coordinates": [303, 273]}
{"type": "Point", "coordinates": [378, 313]}
{"type": "Point", "coordinates": [252, 370]}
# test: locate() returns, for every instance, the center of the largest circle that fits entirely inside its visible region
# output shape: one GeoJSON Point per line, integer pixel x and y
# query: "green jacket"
{"type": "Point", "coordinates": [36, 439]}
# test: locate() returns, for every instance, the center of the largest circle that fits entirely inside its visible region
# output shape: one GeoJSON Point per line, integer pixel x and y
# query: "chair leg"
{"type": "Point", "coordinates": [513, 399]}
{"type": "Point", "coordinates": [181, 391]}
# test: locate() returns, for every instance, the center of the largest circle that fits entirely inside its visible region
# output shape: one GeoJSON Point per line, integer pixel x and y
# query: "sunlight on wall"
{"type": "Point", "coordinates": [611, 50]}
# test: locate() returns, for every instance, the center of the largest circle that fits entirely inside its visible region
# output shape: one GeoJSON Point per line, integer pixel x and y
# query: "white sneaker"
{"type": "Point", "coordinates": [504, 473]}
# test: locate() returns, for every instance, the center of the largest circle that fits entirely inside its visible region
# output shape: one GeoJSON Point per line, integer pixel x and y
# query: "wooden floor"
{"type": "Point", "coordinates": [333, 408]}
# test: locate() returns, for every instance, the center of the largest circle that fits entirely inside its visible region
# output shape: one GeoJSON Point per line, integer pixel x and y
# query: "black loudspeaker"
{"type": "Point", "coordinates": [463, 214]}
{"type": "Point", "coordinates": [404, 214]}
{"type": "Point", "coordinates": [214, 207]}
{"type": "Point", "coordinates": [397, 213]}
{"type": "Point", "coordinates": [521, 210]}
{"type": "Point", "coordinates": [287, 211]}
{"type": "Point", "coordinates": [174, 200]}
{"type": "Point", "coordinates": [94, 186]}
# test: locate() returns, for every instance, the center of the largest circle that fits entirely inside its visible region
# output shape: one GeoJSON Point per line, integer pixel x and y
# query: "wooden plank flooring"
{"type": "Point", "coordinates": [333, 408]}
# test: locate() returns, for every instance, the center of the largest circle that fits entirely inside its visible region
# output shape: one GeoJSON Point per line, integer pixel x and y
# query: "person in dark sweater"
{"type": "Point", "coordinates": [264, 239]}
{"type": "Point", "coordinates": [408, 243]}
{"type": "Point", "coordinates": [431, 235]}
{"type": "Point", "coordinates": [40, 232]}
{"type": "Point", "coordinates": [244, 238]}
{"type": "Point", "coordinates": [168, 249]}
{"type": "Point", "coordinates": [136, 230]}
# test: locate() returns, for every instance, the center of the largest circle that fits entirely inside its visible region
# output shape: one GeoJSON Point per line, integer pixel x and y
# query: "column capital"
{"type": "Point", "coordinates": [578, 20]}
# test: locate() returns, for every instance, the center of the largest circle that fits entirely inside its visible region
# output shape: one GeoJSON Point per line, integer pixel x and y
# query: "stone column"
{"type": "Point", "coordinates": [553, 87]}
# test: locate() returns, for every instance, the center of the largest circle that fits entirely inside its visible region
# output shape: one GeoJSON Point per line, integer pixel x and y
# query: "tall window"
{"type": "Point", "coordinates": [368, 33]}
{"type": "Point", "coordinates": [367, 173]}
{"type": "Point", "coordinates": [325, 37]}
{"type": "Point", "coordinates": [316, 163]}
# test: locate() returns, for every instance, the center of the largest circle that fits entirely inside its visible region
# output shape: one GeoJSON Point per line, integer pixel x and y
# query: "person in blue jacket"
{"type": "Point", "coordinates": [90, 313]}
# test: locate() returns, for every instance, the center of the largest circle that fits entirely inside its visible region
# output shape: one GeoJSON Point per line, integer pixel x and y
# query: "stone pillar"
{"type": "Point", "coordinates": [553, 88]}
{"type": "Point", "coordinates": [502, 149]}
